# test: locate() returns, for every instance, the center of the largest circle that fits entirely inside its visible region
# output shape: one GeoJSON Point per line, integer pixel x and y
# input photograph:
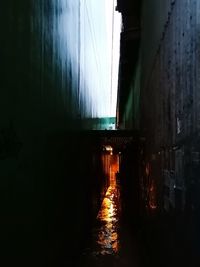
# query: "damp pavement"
{"type": "Point", "coordinates": [114, 242]}
{"type": "Point", "coordinates": [110, 242]}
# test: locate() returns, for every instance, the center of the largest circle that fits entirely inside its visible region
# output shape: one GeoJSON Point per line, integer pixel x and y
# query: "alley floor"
{"type": "Point", "coordinates": [116, 242]}
{"type": "Point", "coordinates": [110, 243]}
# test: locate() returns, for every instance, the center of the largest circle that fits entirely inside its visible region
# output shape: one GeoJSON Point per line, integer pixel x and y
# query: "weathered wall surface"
{"type": "Point", "coordinates": [170, 103]}
{"type": "Point", "coordinates": [154, 18]}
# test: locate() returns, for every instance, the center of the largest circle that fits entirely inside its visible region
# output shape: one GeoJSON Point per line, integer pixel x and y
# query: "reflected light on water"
{"type": "Point", "coordinates": [108, 238]}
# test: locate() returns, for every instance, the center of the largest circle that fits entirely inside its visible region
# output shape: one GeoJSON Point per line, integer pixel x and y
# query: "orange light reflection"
{"type": "Point", "coordinates": [109, 214]}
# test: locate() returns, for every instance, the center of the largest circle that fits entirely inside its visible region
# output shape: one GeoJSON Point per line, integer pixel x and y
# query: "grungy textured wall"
{"type": "Point", "coordinates": [154, 19]}
{"type": "Point", "coordinates": [170, 103]}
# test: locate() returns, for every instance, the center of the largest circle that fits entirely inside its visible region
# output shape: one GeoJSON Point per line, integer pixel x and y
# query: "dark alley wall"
{"type": "Point", "coordinates": [154, 20]}
{"type": "Point", "coordinates": [161, 98]}
{"type": "Point", "coordinates": [130, 118]}
{"type": "Point", "coordinates": [47, 180]}
{"type": "Point", "coordinates": [32, 67]}
{"type": "Point", "coordinates": [130, 183]}
{"type": "Point", "coordinates": [170, 102]}
{"type": "Point", "coordinates": [129, 68]}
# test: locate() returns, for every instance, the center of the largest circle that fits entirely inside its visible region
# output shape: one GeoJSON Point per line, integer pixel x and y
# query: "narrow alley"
{"type": "Point", "coordinates": [100, 133]}
{"type": "Point", "coordinates": [110, 243]}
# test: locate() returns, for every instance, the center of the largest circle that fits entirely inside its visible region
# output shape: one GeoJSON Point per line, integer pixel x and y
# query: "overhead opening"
{"type": "Point", "coordinates": [90, 32]}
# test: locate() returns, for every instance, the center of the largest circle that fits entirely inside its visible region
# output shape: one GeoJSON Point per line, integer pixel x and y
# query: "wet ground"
{"type": "Point", "coordinates": [158, 241]}
{"type": "Point", "coordinates": [110, 242]}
